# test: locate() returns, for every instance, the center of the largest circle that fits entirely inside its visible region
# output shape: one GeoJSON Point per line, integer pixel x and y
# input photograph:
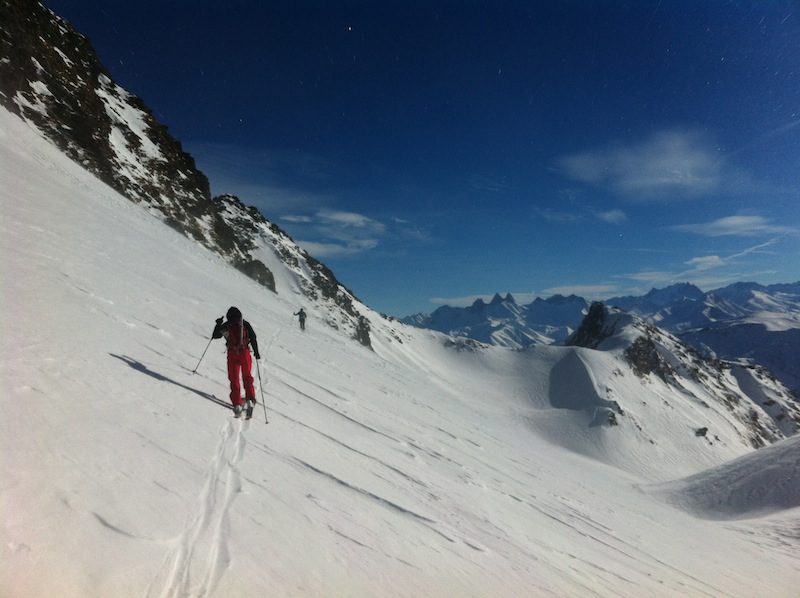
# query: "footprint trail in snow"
{"type": "Point", "coordinates": [201, 554]}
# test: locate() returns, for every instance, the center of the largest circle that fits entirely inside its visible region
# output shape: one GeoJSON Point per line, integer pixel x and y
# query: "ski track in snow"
{"type": "Point", "coordinates": [202, 549]}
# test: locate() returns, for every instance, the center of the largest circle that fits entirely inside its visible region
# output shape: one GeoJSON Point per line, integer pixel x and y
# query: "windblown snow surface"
{"type": "Point", "coordinates": [416, 469]}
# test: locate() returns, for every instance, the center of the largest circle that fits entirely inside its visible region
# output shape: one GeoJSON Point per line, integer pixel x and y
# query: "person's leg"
{"type": "Point", "coordinates": [247, 375]}
{"type": "Point", "coordinates": [233, 377]}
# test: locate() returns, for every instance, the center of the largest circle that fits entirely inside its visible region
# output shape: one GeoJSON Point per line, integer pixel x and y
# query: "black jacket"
{"type": "Point", "coordinates": [223, 329]}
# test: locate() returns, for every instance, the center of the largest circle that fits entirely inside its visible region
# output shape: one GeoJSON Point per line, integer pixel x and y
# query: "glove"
{"type": "Point", "coordinates": [257, 355]}
{"type": "Point", "coordinates": [219, 321]}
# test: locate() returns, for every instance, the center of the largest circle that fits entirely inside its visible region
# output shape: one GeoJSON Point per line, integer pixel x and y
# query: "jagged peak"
{"type": "Point", "coordinates": [598, 325]}
{"type": "Point", "coordinates": [562, 299]}
{"type": "Point", "coordinates": [685, 287]}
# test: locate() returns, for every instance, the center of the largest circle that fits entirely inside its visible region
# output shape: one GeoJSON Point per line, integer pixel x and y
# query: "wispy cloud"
{"type": "Point", "coordinates": [272, 180]}
{"type": "Point", "coordinates": [706, 262]}
{"type": "Point", "coordinates": [558, 216]}
{"type": "Point", "coordinates": [580, 214]}
{"type": "Point", "coordinates": [485, 183]}
{"type": "Point", "coordinates": [753, 249]}
{"type": "Point", "coordinates": [704, 270]}
{"type": "Point", "coordinates": [766, 137]}
{"type": "Point", "coordinates": [350, 221]}
{"type": "Point", "coordinates": [329, 233]}
{"type": "Point", "coordinates": [652, 276]}
{"type": "Point", "coordinates": [338, 249]}
{"type": "Point", "coordinates": [669, 164]}
{"type": "Point", "coordinates": [742, 226]}
{"type": "Point", "coordinates": [612, 216]}
{"type": "Point", "coordinates": [297, 219]}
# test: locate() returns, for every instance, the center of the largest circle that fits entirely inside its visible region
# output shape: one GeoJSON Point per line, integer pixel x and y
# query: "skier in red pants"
{"type": "Point", "coordinates": [238, 335]}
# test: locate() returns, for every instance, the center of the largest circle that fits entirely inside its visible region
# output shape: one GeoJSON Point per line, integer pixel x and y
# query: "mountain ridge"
{"type": "Point", "coordinates": [52, 78]}
{"type": "Point", "coordinates": [764, 318]}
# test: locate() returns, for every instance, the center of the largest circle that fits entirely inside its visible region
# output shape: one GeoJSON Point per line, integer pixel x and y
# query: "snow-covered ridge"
{"type": "Point", "coordinates": [287, 268]}
{"type": "Point", "coordinates": [54, 81]}
{"type": "Point", "coordinates": [506, 323]}
{"type": "Point", "coordinates": [743, 321]}
{"type": "Point", "coordinates": [749, 397]}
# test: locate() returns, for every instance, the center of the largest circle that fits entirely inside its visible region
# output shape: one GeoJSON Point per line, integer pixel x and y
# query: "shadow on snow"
{"type": "Point", "coordinates": [140, 367]}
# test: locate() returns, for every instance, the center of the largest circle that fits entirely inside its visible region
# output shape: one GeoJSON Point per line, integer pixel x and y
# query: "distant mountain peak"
{"type": "Point", "coordinates": [478, 304]}
{"type": "Point", "coordinates": [679, 288]}
{"type": "Point", "coordinates": [505, 322]}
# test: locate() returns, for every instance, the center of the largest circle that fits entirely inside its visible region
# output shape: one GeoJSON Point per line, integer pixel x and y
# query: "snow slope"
{"type": "Point", "coordinates": [424, 467]}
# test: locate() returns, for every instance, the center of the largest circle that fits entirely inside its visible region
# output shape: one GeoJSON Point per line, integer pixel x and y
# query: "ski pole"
{"type": "Point", "coordinates": [258, 366]}
{"type": "Point", "coordinates": [261, 387]}
{"type": "Point", "coordinates": [194, 371]}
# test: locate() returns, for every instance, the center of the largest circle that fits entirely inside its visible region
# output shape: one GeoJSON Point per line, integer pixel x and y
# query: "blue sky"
{"type": "Point", "coordinates": [435, 152]}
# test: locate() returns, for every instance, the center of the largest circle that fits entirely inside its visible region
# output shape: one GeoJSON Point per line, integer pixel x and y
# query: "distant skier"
{"type": "Point", "coordinates": [238, 335]}
{"type": "Point", "coordinates": [302, 316]}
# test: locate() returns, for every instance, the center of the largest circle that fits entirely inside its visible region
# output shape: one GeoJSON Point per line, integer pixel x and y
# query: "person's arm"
{"type": "Point", "coordinates": [218, 329]}
{"type": "Point", "coordinates": [251, 334]}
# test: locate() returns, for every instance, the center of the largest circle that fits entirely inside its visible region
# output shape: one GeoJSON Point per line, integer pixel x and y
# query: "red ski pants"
{"type": "Point", "coordinates": [239, 361]}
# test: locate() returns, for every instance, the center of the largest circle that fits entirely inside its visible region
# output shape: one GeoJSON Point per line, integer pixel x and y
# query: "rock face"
{"type": "Point", "coordinates": [51, 77]}
{"type": "Point", "coordinates": [594, 328]}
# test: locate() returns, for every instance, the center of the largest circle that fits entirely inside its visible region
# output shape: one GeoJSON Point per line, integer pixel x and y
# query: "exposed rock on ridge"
{"type": "Point", "coordinates": [762, 406]}
{"type": "Point", "coordinates": [51, 77]}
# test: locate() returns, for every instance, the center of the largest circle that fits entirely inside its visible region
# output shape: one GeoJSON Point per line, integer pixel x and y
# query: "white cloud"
{"type": "Point", "coordinates": [349, 220]}
{"type": "Point", "coordinates": [323, 250]}
{"type": "Point", "coordinates": [706, 262]}
{"type": "Point", "coordinates": [743, 226]}
{"type": "Point", "coordinates": [296, 219]}
{"type": "Point", "coordinates": [705, 271]}
{"type": "Point", "coordinates": [613, 216]}
{"type": "Point", "coordinates": [336, 232]}
{"type": "Point", "coordinates": [668, 164]}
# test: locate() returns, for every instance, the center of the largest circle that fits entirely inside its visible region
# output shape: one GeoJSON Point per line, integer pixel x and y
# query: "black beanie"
{"type": "Point", "coordinates": [234, 314]}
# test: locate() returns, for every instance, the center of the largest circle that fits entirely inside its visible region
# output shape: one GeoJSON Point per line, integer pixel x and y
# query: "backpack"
{"type": "Point", "coordinates": [237, 339]}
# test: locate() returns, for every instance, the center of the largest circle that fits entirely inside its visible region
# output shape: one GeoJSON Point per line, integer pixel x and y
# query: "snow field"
{"type": "Point", "coordinates": [416, 469]}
